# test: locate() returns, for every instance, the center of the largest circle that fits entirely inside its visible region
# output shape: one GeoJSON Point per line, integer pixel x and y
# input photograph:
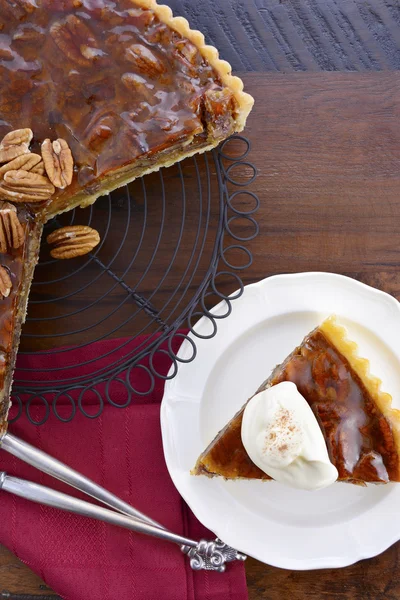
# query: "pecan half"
{"type": "Point", "coordinates": [16, 137]}
{"type": "Point", "coordinates": [139, 17]}
{"type": "Point", "coordinates": [137, 84]}
{"type": "Point", "coordinates": [188, 50]}
{"type": "Point", "coordinates": [14, 144]}
{"type": "Point", "coordinates": [27, 5]}
{"type": "Point", "coordinates": [73, 241]}
{"type": "Point", "coordinates": [101, 127]}
{"type": "Point", "coordinates": [25, 161]}
{"type": "Point", "coordinates": [23, 186]}
{"type": "Point", "coordinates": [188, 56]}
{"type": "Point", "coordinates": [75, 40]}
{"type": "Point", "coordinates": [17, 9]}
{"type": "Point", "coordinates": [29, 34]}
{"type": "Point", "coordinates": [58, 162]}
{"type": "Point", "coordinates": [11, 230]}
{"type": "Point", "coordinates": [145, 60]}
{"type": "Point", "coordinates": [5, 283]}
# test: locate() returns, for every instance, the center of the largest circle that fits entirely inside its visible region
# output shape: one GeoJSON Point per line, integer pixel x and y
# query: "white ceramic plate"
{"type": "Point", "coordinates": [281, 526]}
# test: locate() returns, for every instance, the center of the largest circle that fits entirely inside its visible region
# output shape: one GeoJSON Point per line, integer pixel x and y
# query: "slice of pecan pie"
{"type": "Point", "coordinates": [119, 89]}
{"type": "Point", "coordinates": [360, 427]}
{"type": "Point", "coordinates": [129, 88]}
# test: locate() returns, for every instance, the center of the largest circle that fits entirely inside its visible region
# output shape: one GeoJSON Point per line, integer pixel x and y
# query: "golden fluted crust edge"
{"type": "Point", "coordinates": [223, 68]}
{"type": "Point", "coordinates": [338, 335]}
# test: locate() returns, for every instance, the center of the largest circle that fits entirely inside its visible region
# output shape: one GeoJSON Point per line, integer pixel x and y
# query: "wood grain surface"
{"type": "Point", "coordinates": [326, 141]}
{"type": "Point", "coordinates": [327, 148]}
{"type": "Point", "coordinates": [300, 35]}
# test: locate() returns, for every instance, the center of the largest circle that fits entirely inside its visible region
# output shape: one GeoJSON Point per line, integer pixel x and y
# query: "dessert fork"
{"type": "Point", "coordinates": [203, 554]}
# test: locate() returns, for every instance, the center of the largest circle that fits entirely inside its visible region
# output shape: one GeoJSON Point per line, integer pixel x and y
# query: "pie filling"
{"type": "Point", "coordinates": [20, 264]}
{"type": "Point", "coordinates": [114, 81]}
{"type": "Point", "coordinates": [359, 427]}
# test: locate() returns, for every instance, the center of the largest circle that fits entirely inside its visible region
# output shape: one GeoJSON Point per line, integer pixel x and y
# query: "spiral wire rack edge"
{"type": "Point", "coordinates": [167, 335]}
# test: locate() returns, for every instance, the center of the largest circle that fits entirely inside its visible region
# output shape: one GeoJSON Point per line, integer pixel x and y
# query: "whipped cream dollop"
{"type": "Point", "coordinates": [283, 438]}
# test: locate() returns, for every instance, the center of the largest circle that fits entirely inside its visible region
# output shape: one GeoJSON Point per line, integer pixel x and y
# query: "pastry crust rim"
{"type": "Point", "coordinates": [210, 53]}
{"type": "Point", "coordinates": [108, 184]}
{"type": "Point", "coordinates": [338, 336]}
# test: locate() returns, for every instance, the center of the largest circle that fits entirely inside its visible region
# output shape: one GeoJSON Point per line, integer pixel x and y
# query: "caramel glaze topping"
{"type": "Point", "coordinates": [109, 78]}
{"type": "Point", "coordinates": [14, 262]}
{"type": "Point", "coordinates": [359, 438]}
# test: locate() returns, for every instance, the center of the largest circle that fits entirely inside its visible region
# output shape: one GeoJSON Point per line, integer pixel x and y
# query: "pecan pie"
{"type": "Point", "coordinates": [112, 91]}
{"type": "Point", "coordinates": [127, 86]}
{"type": "Point", "coordinates": [360, 427]}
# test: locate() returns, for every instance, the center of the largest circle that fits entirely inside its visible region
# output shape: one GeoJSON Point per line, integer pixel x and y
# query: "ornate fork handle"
{"type": "Point", "coordinates": [211, 556]}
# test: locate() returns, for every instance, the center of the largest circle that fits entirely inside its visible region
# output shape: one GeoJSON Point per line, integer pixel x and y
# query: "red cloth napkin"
{"type": "Point", "coordinates": [83, 559]}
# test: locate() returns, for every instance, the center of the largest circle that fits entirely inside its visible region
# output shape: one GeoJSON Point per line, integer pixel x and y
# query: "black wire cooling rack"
{"type": "Point", "coordinates": [169, 243]}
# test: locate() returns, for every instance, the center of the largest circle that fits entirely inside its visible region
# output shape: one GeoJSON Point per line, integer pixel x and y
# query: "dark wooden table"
{"type": "Point", "coordinates": [326, 140]}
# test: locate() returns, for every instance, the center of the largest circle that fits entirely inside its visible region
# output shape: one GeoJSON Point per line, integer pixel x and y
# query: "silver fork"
{"type": "Point", "coordinates": [208, 555]}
